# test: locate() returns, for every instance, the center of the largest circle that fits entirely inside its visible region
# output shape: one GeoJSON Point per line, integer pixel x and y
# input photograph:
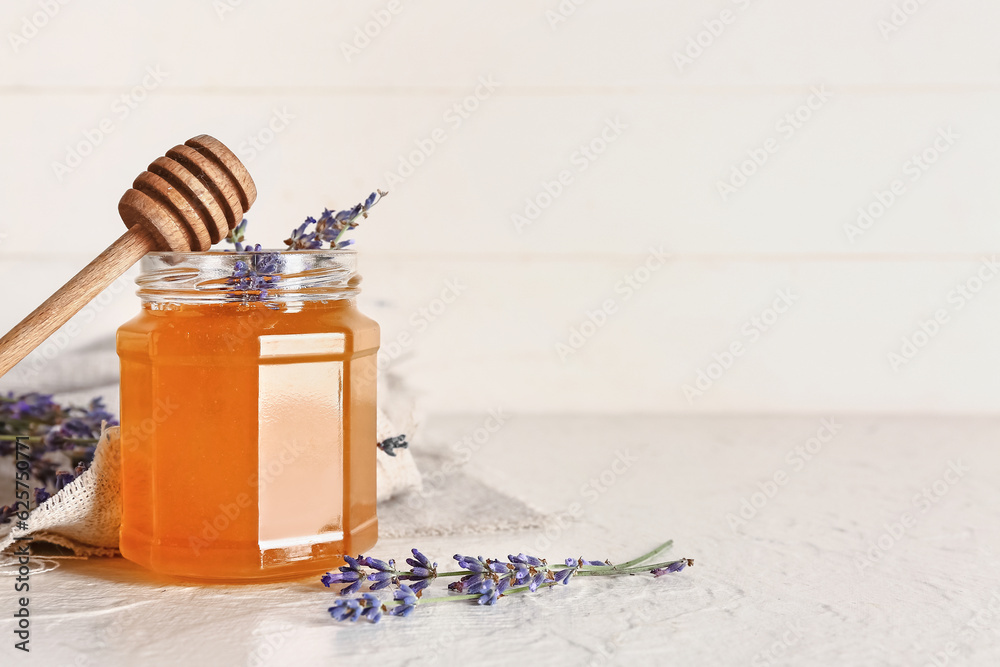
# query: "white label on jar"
{"type": "Point", "coordinates": [300, 444]}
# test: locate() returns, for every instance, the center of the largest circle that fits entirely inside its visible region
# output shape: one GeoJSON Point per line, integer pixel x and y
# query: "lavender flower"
{"type": "Point", "coordinates": [373, 607]}
{"type": "Point", "coordinates": [562, 576]}
{"type": "Point", "coordinates": [68, 430]}
{"type": "Point", "coordinates": [390, 445]}
{"type": "Point", "coordinates": [346, 610]}
{"type": "Point", "coordinates": [406, 600]}
{"type": "Point", "coordinates": [350, 574]}
{"type": "Point", "coordinates": [41, 495]}
{"type": "Point", "coordinates": [489, 593]}
{"type": "Point", "coordinates": [251, 278]}
{"type": "Point", "coordinates": [422, 571]}
{"type": "Point", "coordinates": [676, 566]}
{"type": "Point", "coordinates": [484, 581]}
{"type": "Point", "coordinates": [330, 227]}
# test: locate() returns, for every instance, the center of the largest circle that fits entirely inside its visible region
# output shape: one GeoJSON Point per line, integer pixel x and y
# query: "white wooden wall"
{"type": "Point", "coordinates": [745, 160]}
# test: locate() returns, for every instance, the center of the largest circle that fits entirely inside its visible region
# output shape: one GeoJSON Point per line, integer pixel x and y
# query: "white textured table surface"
{"type": "Point", "coordinates": [869, 552]}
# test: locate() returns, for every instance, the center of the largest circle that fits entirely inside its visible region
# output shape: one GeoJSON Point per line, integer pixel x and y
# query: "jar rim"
{"type": "Point", "coordinates": [227, 276]}
{"type": "Point", "coordinates": [336, 252]}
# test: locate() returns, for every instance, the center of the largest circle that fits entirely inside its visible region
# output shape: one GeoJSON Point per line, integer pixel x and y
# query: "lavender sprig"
{"type": "Point", "coordinates": [331, 226]}
{"type": "Point", "coordinates": [260, 271]}
{"type": "Point", "coordinates": [51, 430]}
{"type": "Point", "coordinates": [482, 580]}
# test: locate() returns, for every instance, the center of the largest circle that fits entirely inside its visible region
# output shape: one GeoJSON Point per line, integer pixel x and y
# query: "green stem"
{"type": "Point", "coordinates": [41, 437]}
{"type": "Point", "coordinates": [445, 598]}
{"type": "Point", "coordinates": [648, 556]}
{"type": "Point", "coordinates": [621, 570]}
{"type": "Point", "coordinates": [347, 226]}
{"type": "Point", "coordinates": [596, 569]}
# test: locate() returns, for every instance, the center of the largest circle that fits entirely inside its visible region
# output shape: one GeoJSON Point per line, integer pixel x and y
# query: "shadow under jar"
{"type": "Point", "coordinates": [248, 415]}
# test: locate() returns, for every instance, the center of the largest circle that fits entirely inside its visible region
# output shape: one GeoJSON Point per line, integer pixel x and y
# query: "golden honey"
{"type": "Point", "coordinates": [248, 419]}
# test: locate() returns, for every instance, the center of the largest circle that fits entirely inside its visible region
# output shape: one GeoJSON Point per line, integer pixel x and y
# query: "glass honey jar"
{"type": "Point", "coordinates": [248, 415]}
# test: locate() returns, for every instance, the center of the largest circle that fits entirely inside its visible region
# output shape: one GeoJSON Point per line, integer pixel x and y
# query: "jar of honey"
{"type": "Point", "coordinates": [248, 415]}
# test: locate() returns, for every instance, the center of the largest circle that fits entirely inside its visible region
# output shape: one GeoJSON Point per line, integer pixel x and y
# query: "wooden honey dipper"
{"type": "Point", "coordinates": [187, 200]}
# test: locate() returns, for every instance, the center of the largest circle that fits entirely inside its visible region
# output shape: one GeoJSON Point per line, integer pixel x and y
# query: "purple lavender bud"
{"type": "Point", "coordinates": [372, 609]}
{"type": "Point", "coordinates": [345, 610]}
{"type": "Point", "coordinates": [572, 562]}
{"type": "Point", "coordinates": [503, 585]}
{"type": "Point", "coordinates": [536, 581]}
{"type": "Point", "coordinates": [351, 589]}
{"type": "Point", "coordinates": [344, 577]}
{"type": "Point", "coordinates": [521, 573]}
{"type": "Point", "coordinates": [41, 495]}
{"type": "Point", "coordinates": [526, 560]}
{"type": "Point", "coordinates": [676, 566]}
{"type": "Point", "coordinates": [594, 563]}
{"type": "Point", "coordinates": [380, 565]}
{"type": "Point", "coordinates": [370, 200]}
{"type": "Point", "coordinates": [63, 477]}
{"type": "Point", "coordinates": [420, 572]}
{"type": "Point", "coordinates": [457, 586]}
{"type": "Point", "coordinates": [421, 559]}
{"type": "Point", "coordinates": [381, 580]}
{"type": "Point", "coordinates": [470, 563]}
{"type": "Point", "coordinates": [472, 582]}
{"type": "Point", "coordinates": [420, 584]}
{"type": "Point", "coordinates": [562, 576]}
{"type": "Point", "coordinates": [353, 563]}
{"type": "Point", "coordinates": [498, 567]}
{"type": "Point", "coordinates": [407, 599]}
{"type": "Point", "coordinates": [488, 593]}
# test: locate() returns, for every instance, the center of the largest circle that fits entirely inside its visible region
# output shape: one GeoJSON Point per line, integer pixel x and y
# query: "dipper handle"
{"type": "Point", "coordinates": [187, 200]}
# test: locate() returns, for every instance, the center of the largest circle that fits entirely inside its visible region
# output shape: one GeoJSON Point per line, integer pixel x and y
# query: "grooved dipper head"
{"type": "Point", "coordinates": [190, 198]}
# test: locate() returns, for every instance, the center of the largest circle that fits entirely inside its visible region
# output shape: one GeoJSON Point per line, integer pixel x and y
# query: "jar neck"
{"type": "Point", "coordinates": [278, 277]}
